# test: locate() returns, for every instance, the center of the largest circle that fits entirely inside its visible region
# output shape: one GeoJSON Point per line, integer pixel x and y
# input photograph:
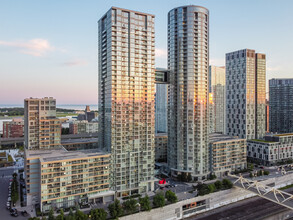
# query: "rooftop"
{"type": "Point", "coordinates": [218, 137]}
{"type": "Point", "coordinates": [262, 141]}
{"type": "Point", "coordinates": [282, 135]}
{"type": "Point", "coordinates": [60, 154]}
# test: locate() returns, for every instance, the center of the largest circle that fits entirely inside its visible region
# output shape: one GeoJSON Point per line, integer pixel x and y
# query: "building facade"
{"type": "Point", "coordinates": [272, 150]}
{"type": "Point", "coordinates": [14, 128]}
{"type": "Point", "coordinates": [188, 63]}
{"type": "Point", "coordinates": [59, 179]}
{"type": "Point", "coordinates": [227, 154]}
{"type": "Point", "coordinates": [281, 105]}
{"type": "Point", "coordinates": [161, 108]}
{"type": "Point", "coordinates": [161, 142]}
{"type": "Point", "coordinates": [127, 98]}
{"type": "Point", "coordinates": [217, 82]}
{"type": "Point", "coordinates": [42, 128]}
{"type": "Point", "coordinates": [83, 127]}
{"type": "Point", "coordinates": [245, 94]}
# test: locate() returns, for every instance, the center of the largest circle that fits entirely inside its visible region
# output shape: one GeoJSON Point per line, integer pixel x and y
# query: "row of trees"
{"type": "Point", "coordinates": [14, 189]}
{"type": "Point", "coordinates": [259, 173]}
{"type": "Point", "coordinates": [204, 189]}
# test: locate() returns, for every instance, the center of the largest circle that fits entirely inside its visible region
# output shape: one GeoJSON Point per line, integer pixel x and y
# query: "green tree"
{"type": "Point", "coordinates": [98, 214]}
{"type": "Point", "coordinates": [227, 184]}
{"type": "Point", "coordinates": [171, 196]}
{"type": "Point", "coordinates": [189, 177]}
{"type": "Point", "coordinates": [79, 215]}
{"type": "Point", "coordinates": [51, 215]}
{"type": "Point", "coordinates": [115, 209]}
{"type": "Point", "coordinates": [266, 172]}
{"type": "Point", "coordinates": [159, 200]}
{"type": "Point", "coordinates": [218, 185]}
{"type": "Point", "coordinates": [61, 215]}
{"type": "Point", "coordinates": [212, 188]}
{"type": "Point", "coordinates": [34, 218]}
{"type": "Point", "coordinates": [203, 189]}
{"type": "Point", "coordinates": [130, 206]}
{"type": "Point", "coordinates": [145, 203]}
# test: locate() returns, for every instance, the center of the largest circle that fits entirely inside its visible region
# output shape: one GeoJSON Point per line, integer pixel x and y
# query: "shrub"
{"type": "Point", "coordinates": [212, 188]}
{"type": "Point", "coordinates": [227, 184]}
{"type": "Point", "coordinates": [171, 196]}
{"type": "Point", "coordinates": [145, 203]}
{"type": "Point", "coordinates": [218, 184]}
{"type": "Point", "coordinates": [159, 200]}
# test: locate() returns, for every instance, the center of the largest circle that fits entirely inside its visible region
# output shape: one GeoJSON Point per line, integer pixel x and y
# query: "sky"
{"type": "Point", "coordinates": [49, 48]}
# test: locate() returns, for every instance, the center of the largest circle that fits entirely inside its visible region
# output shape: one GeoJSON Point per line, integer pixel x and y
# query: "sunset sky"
{"type": "Point", "coordinates": [49, 48]}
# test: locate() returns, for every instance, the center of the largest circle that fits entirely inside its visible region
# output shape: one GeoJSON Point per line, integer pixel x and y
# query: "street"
{"type": "Point", "coordinates": [4, 182]}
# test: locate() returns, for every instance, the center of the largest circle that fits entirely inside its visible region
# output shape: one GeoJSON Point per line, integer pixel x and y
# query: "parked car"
{"type": "Point", "coordinates": [8, 205]}
{"type": "Point", "coordinates": [13, 212]}
{"type": "Point", "coordinates": [9, 199]}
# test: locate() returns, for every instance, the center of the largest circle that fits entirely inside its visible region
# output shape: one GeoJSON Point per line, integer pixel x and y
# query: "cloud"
{"type": "Point", "coordinates": [161, 52]}
{"type": "Point", "coordinates": [34, 47]}
{"type": "Point", "coordinates": [75, 63]}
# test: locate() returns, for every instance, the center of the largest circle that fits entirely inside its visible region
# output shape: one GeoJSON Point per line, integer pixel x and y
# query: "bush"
{"type": "Point", "coordinates": [159, 200]}
{"type": "Point", "coordinates": [212, 188]}
{"type": "Point", "coordinates": [171, 196]}
{"type": "Point", "coordinates": [227, 184]}
{"type": "Point", "coordinates": [130, 206]}
{"type": "Point", "coordinates": [266, 172]}
{"type": "Point", "coordinates": [115, 209]}
{"type": "Point", "coordinates": [218, 184]}
{"type": "Point", "coordinates": [203, 189]}
{"type": "Point", "coordinates": [145, 203]}
{"type": "Point", "coordinates": [98, 214]}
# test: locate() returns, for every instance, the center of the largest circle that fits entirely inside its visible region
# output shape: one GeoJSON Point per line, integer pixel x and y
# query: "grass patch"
{"type": "Point", "coordinates": [286, 187]}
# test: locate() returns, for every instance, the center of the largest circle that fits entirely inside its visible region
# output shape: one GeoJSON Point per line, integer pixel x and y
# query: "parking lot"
{"type": "Point", "coordinates": [6, 174]}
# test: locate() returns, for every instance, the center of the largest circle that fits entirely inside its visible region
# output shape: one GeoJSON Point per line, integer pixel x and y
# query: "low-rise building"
{"type": "Point", "coordinates": [272, 150]}
{"type": "Point", "coordinates": [227, 154]}
{"type": "Point", "coordinates": [161, 141]}
{"type": "Point", "coordinates": [61, 179]}
{"type": "Point", "coordinates": [14, 128]}
{"type": "Point", "coordinates": [83, 127]}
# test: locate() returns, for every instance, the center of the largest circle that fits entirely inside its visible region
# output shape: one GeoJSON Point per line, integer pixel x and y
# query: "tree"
{"type": "Point", "coordinates": [159, 200]}
{"type": "Point", "coordinates": [250, 174]}
{"type": "Point", "coordinates": [212, 188]}
{"type": "Point", "coordinates": [51, 214]}
{"type": "Point", "coordinates": [34, 218]}
{"type": "Point", "coordinates": [98, 214]}
{"type": "Point", "coordinates": [266, 172]}
{"type": "Point", "coordinates": [171, 196]}
{"type": "Point", "coordinates": [145, 203]}
{"type": "Point", "coordinates": [115, 209]}
{"type": "Point", "coordinates": [203, 189]}
{"type": "Point", "coordinates": [61, 215]}
{"type": "Point", "coordinates": [130, 206]}
{"type": "Point", "coordinates": [218, 185]}
{"type": "Point", "coordinates": [227, 184]}
{"type": "Point", "coordinates": [189, 177]}
{"type": "Point", "coordinates": [79, 215]}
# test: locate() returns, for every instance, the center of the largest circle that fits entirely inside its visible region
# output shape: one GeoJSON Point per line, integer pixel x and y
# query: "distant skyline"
{"type": "Point", "coordinates": [49, 48]}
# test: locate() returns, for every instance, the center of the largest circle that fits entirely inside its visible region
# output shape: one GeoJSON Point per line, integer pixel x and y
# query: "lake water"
{"type": "Point", "coordinates": [68, 106]}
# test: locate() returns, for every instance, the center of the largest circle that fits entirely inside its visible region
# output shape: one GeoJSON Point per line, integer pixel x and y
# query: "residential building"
{"type": "Point", "coordinates": [245, 94]}
{"type": "Point", "coordinates": [14, 128]}
{"type": "Point", "coordinates": [57, 178]}
{"type": "Point", "coordinates": [281, 105]}
{"type": "Point", "coordinates": [83, 127]}
{"type": "Point", "coordinates": [272, 150]}
{"type": "Point", "coordinates": [161, 141]}
{"type": "Point", "coordinates": [161, 108]}
{"type": "Point", "coordinates": [211, 114]}
{"type": "Point", "coordinates": [227, 154]}
{"type": "Point", "coordinates": [127, 98]}
{"type": "Point", "coordinates": [42, 128]}
{"type": "Point", "coordinates": [188, 63]}
{"type": "Point", "coordinates": [267, 116]}
{"type": "Point", "coordinates": [217, 83]}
